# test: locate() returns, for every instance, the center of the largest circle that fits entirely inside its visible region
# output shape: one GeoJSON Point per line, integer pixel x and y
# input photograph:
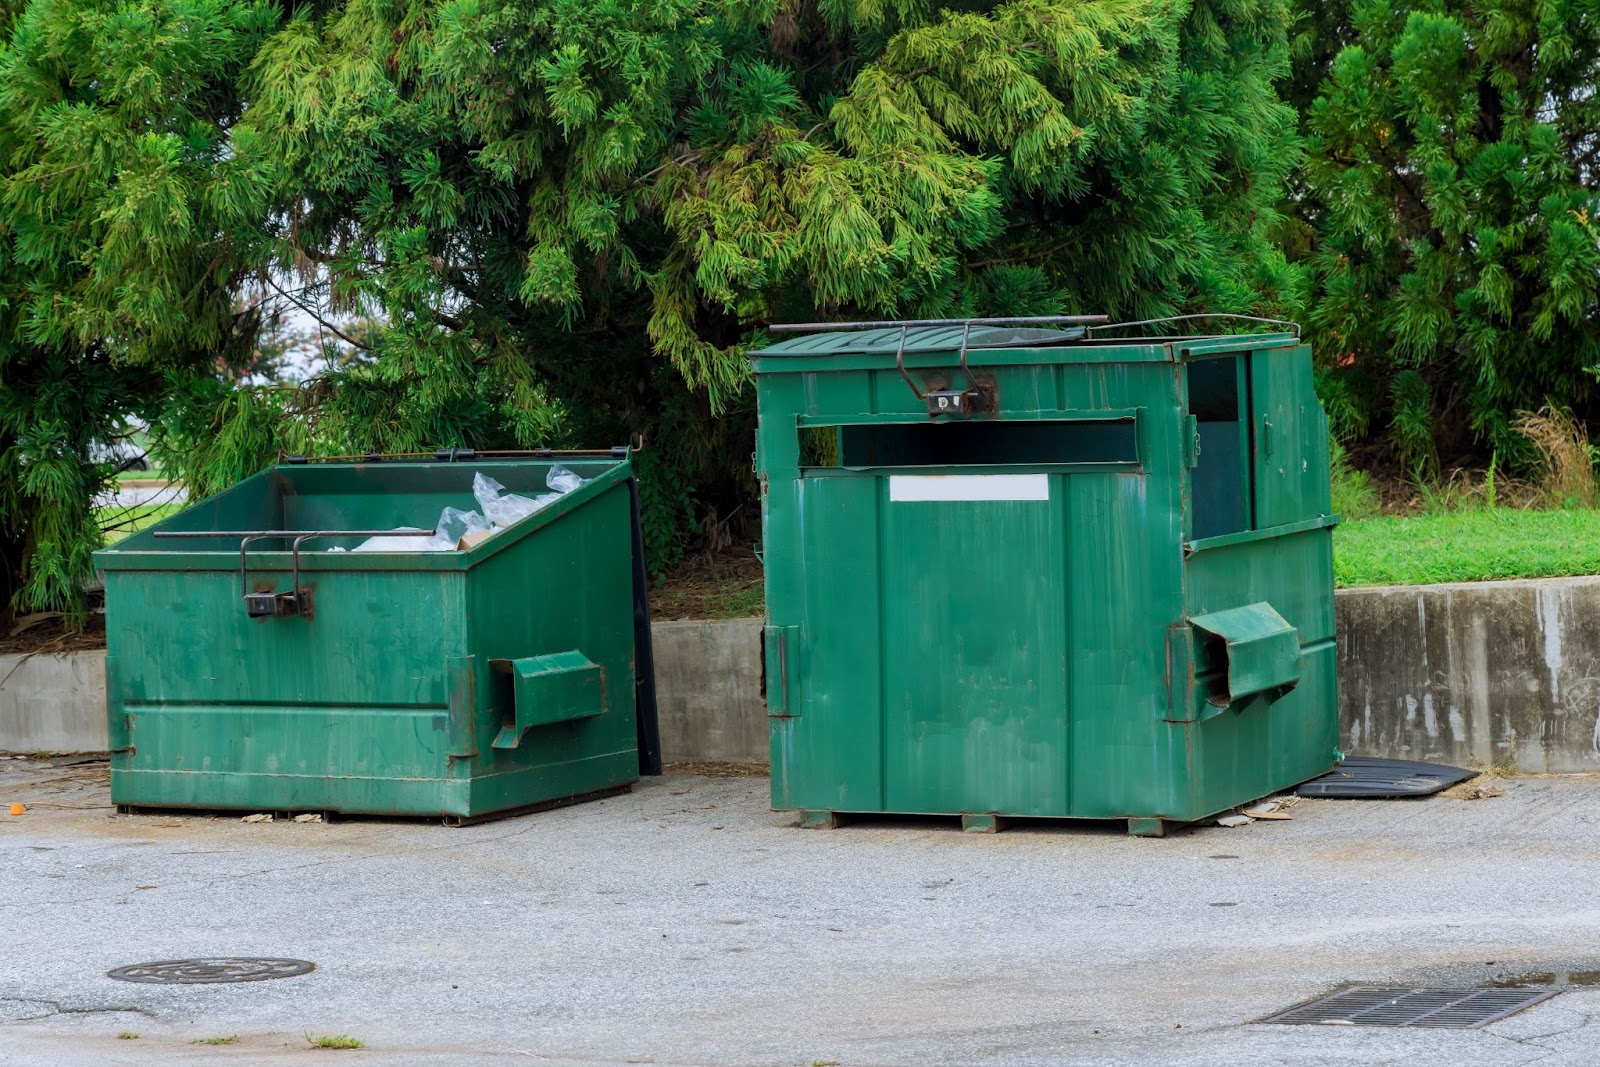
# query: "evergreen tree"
{"type": "Point", "coordinates": [129, 211]}
{"type": "Point", "coordinates": [560, 195]}
{"type": "Point", "coordinates": [573, 217]}
{"type": "Point", "coordinates": [1450, 180]}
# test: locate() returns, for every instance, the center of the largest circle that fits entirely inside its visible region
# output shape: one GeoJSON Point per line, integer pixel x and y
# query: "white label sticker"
{"type": "Point", "coordinates": [912, 488]}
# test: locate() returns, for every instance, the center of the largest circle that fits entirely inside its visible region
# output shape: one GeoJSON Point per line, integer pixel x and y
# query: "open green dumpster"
{"type": "Point", "coordinates": [1040, 568]}
{"type": "Point", "coordinates": [312, 640]}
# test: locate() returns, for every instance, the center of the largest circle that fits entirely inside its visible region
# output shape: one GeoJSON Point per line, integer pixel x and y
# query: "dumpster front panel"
{"type": "Point", "coordinates": [345, 710]}
{"type": "Point", "coordinates": [373, 638]}
{"type": "Point", "coordinates": [975, 614]}
{"type": "Point", "coordinates": [827, 667]}
{"type": "Point", "coordinates": [1122, 587]}
{"type": "Point", "coordinates": [975, 640]}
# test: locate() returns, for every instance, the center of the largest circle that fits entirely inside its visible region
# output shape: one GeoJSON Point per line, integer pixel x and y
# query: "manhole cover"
{"type": "Point", "coordinates": [1450, 1009]}
{"type": "Point", "coordinates": [210, 971]}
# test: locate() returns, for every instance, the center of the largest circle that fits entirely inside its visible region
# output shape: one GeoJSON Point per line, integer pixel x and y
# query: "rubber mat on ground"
{"type": "Point", "coordinates": [1370, 778]}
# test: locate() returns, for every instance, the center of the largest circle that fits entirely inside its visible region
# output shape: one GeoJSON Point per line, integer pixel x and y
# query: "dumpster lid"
{"type": "Point", "coordinates": [921, 339]}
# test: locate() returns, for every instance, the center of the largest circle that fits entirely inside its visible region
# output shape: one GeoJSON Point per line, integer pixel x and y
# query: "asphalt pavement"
{"type": "Point", "coordinates": [685, 923]}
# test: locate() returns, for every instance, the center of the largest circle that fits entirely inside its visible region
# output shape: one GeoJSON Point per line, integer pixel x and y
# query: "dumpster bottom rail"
{"type": "Point", "coordinates": [444, 818]}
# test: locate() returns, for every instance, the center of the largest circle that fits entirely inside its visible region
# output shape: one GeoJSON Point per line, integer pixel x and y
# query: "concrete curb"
{"type": "Point", "coordinates": [1502, 673]}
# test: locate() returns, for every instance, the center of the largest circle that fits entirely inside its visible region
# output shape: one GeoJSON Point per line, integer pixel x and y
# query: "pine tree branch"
{"type": "Point", "coordinates": [1021, 257]}
{"type": "Point", "coordinates": [319, 320]}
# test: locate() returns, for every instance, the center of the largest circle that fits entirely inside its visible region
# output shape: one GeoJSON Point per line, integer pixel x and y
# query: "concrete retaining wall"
{"type": "Point", "coordinates": [708, 691]}
{"type": "Point", "coordinates": [53, 702]}
{"type": "Point", "coordinates": [1503, 673]}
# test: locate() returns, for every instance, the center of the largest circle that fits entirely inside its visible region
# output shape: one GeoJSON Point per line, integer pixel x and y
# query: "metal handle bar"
{"type": "Point", "coordinates": [1025, 320]}
{"type": "Point", "coordinates": [1188, 318]}
{"type": "Point", "coordinates": [472, 455]}
{"type": "Point", "coordinates": [966, 334]}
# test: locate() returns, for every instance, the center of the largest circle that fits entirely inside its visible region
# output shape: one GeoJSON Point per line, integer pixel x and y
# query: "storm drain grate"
{"type": "Point", "coordinates": [1447, 1009]}
{"type": "Point", "coordinates": [211, 971]}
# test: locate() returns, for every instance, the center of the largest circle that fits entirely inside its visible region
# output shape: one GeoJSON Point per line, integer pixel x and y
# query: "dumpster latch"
{"type": "Point", "coordinates": [296, 602]}
{"type": "Point", "coordinates": [950, 403]}
{"type": "Point", "coordinates": [957, 404]}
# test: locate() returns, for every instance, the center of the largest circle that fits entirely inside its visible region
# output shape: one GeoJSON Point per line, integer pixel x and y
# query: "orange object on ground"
{"type": "Point", "coordinates": [17, 809]}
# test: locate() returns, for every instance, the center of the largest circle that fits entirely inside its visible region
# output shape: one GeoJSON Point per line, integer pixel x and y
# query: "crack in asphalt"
{"type": "Point", "coordinates": [58, 1008]}
{"type": "Point", "coordinates": [1532, 1040]}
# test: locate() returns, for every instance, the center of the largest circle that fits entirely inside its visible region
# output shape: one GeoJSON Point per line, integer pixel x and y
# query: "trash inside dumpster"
{"type": "Point", "coordinates": [446, 638]}
{"type": "Point", "coordinates": [1044, 568]}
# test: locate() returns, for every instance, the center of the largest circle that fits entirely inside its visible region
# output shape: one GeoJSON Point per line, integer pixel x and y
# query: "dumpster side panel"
{"type": "Point", "coordinates": [1291, 438]}
{"type": "Point", "coordinates": [1260, 745]}
{"type": "Point", "coordinates": [568, 589]}
{"type": "Point", "coordinates": [1293, 573]}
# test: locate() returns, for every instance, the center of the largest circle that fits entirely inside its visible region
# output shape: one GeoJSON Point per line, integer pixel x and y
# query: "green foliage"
{"type": "Point", "coordinates": [1449, 185]}
{"type": "Point", "coordinates": [566, 222]}
{"type": "Point", "coordinates": [129, 211]}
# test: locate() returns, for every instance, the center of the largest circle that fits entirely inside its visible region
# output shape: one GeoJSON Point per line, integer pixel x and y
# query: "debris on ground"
{"type": "Point", "coordinates": [1234, 820]}
{"type": "Point", "coordinates": [259, 816]}
{"type": "Point", "coordinates": [725, 586]}
{"type": "Point", "coordinates": [1481, 789]}
{"type": "Point", "coordinates": [308, 817]}
{"type": "Point", "coordinates": [707, 769]}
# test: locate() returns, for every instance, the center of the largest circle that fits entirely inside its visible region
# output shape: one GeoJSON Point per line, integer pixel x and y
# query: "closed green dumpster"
{"type": "Point", "coordinates": [259, 658]}
{"type": "Point", "coordinates": [1021, 568]}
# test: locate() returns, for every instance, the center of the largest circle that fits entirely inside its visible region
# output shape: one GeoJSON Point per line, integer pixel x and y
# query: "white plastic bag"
{"type": "Point", "coordinates": [454, 524]}
{"type": "Point", "coordinates": [562, 480]}
{"type": "Point", "coordinates": [503, 510]}
{"type": "Point", "coordinates": [405, 544]}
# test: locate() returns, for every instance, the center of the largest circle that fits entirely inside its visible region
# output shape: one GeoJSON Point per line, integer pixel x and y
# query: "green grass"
{"type": "Point", "coordinates": [1476, 545]}
{"type": "Point", "coordinates": [335, 1041]}
{"type": "Point", "coordinates": [232, 1040]}
{"type": "Point", "coordinates": [739, 603]}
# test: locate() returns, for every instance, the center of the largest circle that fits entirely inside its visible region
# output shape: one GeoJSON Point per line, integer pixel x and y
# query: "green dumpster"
{"type": "Point", "coordinates": [268, 651]}
{"type": "Point", "coordinates": [1025, 568]}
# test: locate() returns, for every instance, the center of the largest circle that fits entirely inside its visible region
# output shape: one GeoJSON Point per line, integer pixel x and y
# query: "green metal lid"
{"type": "Point", "coordinates": [920, 339]}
